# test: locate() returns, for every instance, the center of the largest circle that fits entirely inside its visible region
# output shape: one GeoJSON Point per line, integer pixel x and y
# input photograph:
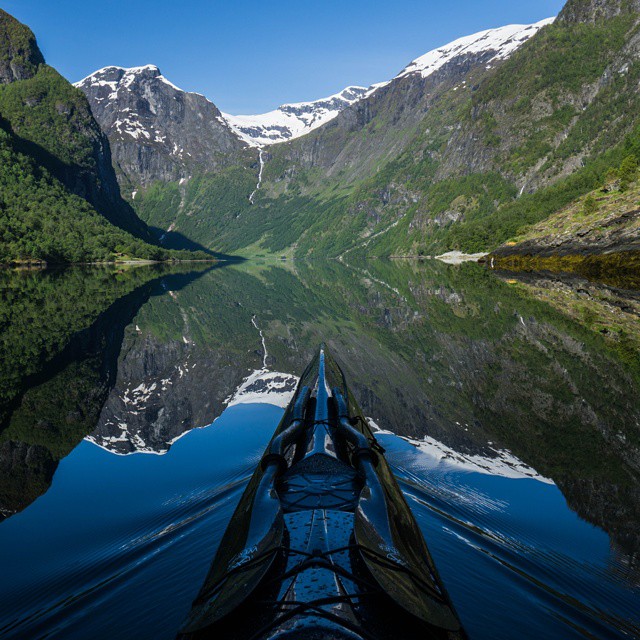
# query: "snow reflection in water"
{"type": "Point", "coordinates": [133, 537]}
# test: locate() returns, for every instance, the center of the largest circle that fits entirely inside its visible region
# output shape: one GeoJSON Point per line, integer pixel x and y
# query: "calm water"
{"type": "Point", "coordinates": [135, 404]}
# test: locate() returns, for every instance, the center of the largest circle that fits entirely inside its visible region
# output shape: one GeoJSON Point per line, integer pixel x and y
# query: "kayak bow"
{"type": "Point", "coordinates": [323, 544]}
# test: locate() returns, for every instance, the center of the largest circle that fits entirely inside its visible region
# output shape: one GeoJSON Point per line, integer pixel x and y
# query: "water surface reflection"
{"type": "Point", "coordinates": [500, 387]}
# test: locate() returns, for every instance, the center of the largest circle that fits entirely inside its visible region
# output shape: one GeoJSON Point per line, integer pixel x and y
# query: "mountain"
{"type": "Point", "coordinates": [291, 121]}
{"type": "Point", "coordinates": [468, 156]}
{"type": "Point", "coordinates": [464, 148]}
{"type": "Point", "coordinates": [157, 131]}
{"type": "Point", "coordinates": [344, 182]}
{"type": "Point", "coordinates": [177, 159]}
{"type": "Point", "coordinates": [59, 195]}
{"type": "Point", "coordinates": [21, 56]}
{"type": "Point", "coordinates": [349, 136]}
{"type": "Point", "coordinates": [377, 128]}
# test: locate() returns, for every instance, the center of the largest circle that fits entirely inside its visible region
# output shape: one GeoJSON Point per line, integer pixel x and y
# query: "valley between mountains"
{"type": "Point", "coordinates": [480, 145]}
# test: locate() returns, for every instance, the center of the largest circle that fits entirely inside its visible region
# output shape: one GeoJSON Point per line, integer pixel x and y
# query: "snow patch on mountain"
{"type": "Point", "coordinates": [503, 41]}
{"type": "Point", "coordinates": [127, 77]}
{"type": "Point", "coordinates": [265, 387]}
{"type": "Point", "coordinates": [291, 121]}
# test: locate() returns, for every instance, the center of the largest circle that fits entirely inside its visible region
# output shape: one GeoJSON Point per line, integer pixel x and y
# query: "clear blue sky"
{"type": "Point", "coordinates": [249, 56]}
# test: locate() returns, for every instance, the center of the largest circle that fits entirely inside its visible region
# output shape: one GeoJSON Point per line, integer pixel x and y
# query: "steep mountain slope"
{"type": "Point", "coordinates": [52, 122]}
{"type": "Point", "coordinates": [21, 56]}
{"type": "Point", "coordinates": [378, 127]}
{"type": "Point", "coordinates": [224, 209]}
{"type": "Point", "coordinates": [172, 150]}
{"type": "Point", "coordinates": [481, 156]}
{"type": "Point", "coordinates": [59, 192]}
{"type": "Point", "coordinates": [594, 10]}
{"type": "Point", "coordinates": [291, 121]}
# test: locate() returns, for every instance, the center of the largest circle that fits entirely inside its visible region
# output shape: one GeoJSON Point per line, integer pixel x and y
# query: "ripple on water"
{"type": "Point", "coordinates": [512, 554]}
{"type": "Point", "coordinates": [134, 536]}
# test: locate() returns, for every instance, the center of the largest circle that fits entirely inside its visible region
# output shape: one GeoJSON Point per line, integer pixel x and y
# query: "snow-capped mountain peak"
{"type": "Point", "coordinates": [158, 131]}
{"type": "Point", "coordinates": [114, 77]}
{"type": "Point", "coordinates": [503, 41]}
{"type": "Point", "coordinates": [293, 120]}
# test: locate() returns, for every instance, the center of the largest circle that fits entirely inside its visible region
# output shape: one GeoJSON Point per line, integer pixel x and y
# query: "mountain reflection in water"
{"type": "Point", "coordinates": [500, 386]}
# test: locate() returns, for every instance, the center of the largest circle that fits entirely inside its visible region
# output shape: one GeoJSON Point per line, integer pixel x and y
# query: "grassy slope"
{"type": "Point", "coordinates": [531, 111]}
{"type": "Point", "coordinates": [608, 206]}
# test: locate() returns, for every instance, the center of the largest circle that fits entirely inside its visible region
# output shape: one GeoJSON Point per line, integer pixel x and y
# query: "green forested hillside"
{"type": "Point", "coordinates": [59, 199]}
{"type": "Point", "coordinates": [41, 220]}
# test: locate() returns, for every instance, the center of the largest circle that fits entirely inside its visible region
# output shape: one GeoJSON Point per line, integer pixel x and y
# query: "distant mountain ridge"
{"type": "Point", "coordinates": [291, 121]}
{"type": "Point", "coordinates": [107, 91]}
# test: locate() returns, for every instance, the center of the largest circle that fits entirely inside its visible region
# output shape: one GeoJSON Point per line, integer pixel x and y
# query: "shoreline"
{"type": "Point", "coordinates": [36, 265]}
{"type": "Point", "coordinates": [450, 257]}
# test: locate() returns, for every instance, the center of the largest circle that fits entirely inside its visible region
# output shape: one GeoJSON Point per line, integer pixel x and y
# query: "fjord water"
{"type": "Point", "coordinates": [508, 408]}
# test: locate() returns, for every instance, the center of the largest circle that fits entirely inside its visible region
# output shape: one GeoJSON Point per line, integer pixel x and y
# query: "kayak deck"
{"type": "Point", "coordinates": [322, 545]}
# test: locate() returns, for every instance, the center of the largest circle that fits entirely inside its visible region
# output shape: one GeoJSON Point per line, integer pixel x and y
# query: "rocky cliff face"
{"type": "Point", "coordinates": [21, 58]}
{"type": "Point", "coordinates": [157, 131]}
{"type": "Point", "coordinates": [590, 11]}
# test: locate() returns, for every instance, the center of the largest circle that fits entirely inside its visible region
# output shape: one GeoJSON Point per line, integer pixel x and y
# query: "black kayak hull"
{"type": "Point", "coordinates": [323, 544]}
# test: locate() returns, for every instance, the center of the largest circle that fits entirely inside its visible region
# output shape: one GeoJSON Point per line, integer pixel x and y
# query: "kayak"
{"type": "Point", "coordinates": [323, 544]}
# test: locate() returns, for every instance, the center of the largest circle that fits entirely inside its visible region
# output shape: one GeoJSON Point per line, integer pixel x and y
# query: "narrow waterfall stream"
{"type": "Point", "coordinates": [261, 158]}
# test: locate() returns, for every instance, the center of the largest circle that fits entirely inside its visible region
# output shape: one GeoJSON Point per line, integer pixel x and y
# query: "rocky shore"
{"type": "Point", "coordinates": [598, 233]}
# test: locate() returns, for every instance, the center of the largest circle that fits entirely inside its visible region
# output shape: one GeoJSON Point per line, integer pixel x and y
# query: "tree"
{"type": "Point", "coordinates": [628, 171]}
{"type": "Point", "coordinates": [590, 205]}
